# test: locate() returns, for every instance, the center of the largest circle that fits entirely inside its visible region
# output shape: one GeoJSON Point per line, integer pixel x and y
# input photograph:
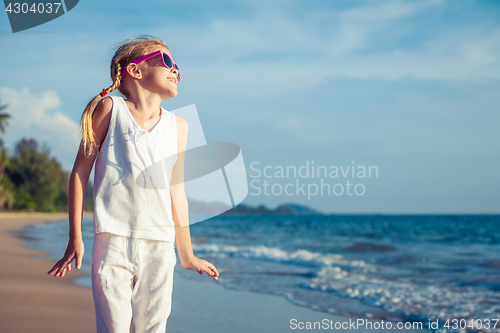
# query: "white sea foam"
{"type": "Point", "coordinates": [408, 298]}
{"type": "Point", "coordinates": [299, 257]}
{"type": "Point", "coordinates": [365, 282]}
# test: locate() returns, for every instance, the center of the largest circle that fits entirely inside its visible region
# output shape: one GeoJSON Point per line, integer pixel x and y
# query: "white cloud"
{"type": "Point", "coordinates": [268, 51]}
{"type": "Point", "coordinates": [39, 116]}
{"type": "Point", "coordinates": [358, 26]}
{"type": "Point", "coordinates": [278, 51]}
{"type": "Point", "coordinates": [388, 10]}
{"type": "Point", "coordinates": [310, 130]}
{"type": "Point", "coordinates": [427, 139]}
{"type": "Point", "coordinates": [421, 124]}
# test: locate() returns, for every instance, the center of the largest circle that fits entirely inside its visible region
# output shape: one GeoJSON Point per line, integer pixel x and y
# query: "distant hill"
{"type": "Point", "coordinates": [206, 208]}
{"type": "Point", "coordinates": [285, 209]}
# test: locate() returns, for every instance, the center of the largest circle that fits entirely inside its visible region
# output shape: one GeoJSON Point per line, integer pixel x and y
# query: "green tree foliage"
{"type": "Point", "coordinates": [88, 204]}
{"type": "Point", "coordinates": [31, 179]}
{"type": "Point", "coordinates": [7, 189]}
{"type": "Point", "coordinates": [4, 122]}
{"type": "Point", "coordinates": [6, 186]}
{"type": "Point", "coordinates": [61, 201]}
{"type": "Point", "coordinates": [40, 183]}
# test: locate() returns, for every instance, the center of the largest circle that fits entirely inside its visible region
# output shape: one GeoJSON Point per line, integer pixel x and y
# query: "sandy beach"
{"type": "Point", "coordinates": [32, 301]}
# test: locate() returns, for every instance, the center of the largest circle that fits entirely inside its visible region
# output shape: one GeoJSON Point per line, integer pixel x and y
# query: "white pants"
{"type": "Point", "coordinates": [132, 283]}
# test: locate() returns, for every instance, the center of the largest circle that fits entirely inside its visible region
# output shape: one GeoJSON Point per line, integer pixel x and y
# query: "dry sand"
{"type": "Point", "coordinates": [30, 300]}
{"type": "Point", "coordinates": [34, 302]}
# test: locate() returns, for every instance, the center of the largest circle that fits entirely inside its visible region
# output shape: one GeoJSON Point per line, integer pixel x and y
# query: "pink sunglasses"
{"type": "Point", "coordinates": [167, 62]}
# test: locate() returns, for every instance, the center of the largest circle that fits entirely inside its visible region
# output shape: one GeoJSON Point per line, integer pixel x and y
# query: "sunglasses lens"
{"type": "Point", "coordinates": [167, 60]}
{"type": "Point", "coordinates": [169, 63]}
{"type": "Point", "coordinates": [178, 72]}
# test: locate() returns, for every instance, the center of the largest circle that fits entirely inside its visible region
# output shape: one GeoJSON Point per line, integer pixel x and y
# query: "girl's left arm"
{"type": "Point", "coordinates": [180, 211]}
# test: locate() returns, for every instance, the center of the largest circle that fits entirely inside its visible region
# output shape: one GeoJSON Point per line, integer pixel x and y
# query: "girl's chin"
{"type": "Point", "coordinates": [172, 93]}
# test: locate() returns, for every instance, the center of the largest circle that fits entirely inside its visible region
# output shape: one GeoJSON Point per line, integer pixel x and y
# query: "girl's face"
{"type": "Point", "coordinates": [158, 78]}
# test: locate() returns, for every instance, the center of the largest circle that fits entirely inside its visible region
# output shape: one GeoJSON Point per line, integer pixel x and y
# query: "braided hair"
{"type": "Point", "coordinates": [128, 51]}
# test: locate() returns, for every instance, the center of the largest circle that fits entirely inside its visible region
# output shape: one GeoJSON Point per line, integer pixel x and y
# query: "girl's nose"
{"type": "Point", "coordinates": [175, 71]}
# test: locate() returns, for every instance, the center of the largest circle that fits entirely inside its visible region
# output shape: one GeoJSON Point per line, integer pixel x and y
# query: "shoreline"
{"type": "Point", "coordinates": [33, 301]}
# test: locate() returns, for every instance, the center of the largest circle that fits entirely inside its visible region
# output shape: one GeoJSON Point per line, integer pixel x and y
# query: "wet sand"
{"type": "Point", "coordinates": [31, 300]}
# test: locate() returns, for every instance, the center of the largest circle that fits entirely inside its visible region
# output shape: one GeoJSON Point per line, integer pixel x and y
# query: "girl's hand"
{"type": "Point", "coordinates": [200, 265]}
{"type": "Point", "coordinates": [74, 251]}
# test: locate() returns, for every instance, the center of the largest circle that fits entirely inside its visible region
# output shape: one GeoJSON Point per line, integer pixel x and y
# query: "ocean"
{"type": "Point", "coordinates": [391, 267]}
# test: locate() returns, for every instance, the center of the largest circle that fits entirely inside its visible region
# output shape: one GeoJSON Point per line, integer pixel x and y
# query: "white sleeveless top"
{"type": "Point", "coordinates": [132, 176]}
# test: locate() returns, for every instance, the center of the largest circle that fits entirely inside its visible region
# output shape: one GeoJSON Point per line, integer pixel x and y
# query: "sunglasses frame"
{"type": "Point", "coordinates": [163, 54]}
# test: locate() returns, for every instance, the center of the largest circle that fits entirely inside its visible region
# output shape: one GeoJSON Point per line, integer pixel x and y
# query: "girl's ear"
{"type": "Point", "coordinates": [134, 70]}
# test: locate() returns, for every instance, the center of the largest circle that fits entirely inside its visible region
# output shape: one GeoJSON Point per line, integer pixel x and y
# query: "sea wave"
{"type": "Point", "coordinates": [407, 297]}
{"type": "Point", "coordinates": [298, 257]}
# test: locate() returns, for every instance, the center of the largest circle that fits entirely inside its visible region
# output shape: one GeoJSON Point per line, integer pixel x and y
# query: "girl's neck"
{"type": "Point", "coordinates": [144, 104]}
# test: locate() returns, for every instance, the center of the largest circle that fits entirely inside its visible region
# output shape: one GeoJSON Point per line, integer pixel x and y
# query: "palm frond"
{"type": "Point", "coordinates": [4, 122]}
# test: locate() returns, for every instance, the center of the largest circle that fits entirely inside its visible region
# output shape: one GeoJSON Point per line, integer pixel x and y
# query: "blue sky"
{"type": "Point", "coordinates": [412, 87]}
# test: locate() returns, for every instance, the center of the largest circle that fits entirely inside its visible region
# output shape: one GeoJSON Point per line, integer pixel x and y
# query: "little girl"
{"type": "Point", "coordinates": [136, 220]}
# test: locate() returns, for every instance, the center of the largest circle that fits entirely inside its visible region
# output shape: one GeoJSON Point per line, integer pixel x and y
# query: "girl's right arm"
{"type": "Point", "coordinates": [77, 186]}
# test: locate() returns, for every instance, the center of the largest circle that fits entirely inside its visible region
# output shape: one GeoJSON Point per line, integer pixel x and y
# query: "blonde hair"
{"type": "Point", "coordinates": [128, 51]}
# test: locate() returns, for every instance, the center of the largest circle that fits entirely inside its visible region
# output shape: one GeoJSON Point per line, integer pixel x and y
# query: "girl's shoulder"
{"type": "Point", "coordinates": [101, 118]}
{"type": "Point", "coordinates": [104, 106]}
{"type": "Point", "coordinates": [182, 124]}
{"type": "Point", "coordinates": [179, 119]}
